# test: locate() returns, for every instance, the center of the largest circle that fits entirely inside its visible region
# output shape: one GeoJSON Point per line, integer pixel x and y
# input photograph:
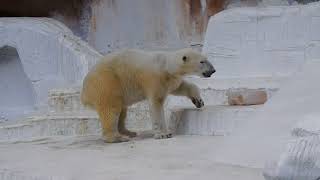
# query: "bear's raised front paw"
{"type": "Point", "coordinates": [163, 135]}
{"type": "Point", "coordinates": [116, 139]}
{"type": "Point", "coordinates": [198, 102]}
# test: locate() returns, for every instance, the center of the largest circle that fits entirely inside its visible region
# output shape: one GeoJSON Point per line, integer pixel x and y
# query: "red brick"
{"type": "Point", "coordinates": [245, 97]}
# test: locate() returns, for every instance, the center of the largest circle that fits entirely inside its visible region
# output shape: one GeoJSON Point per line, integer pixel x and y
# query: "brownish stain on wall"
{"type": "Point", "coordinates": [215, 6]}
{"type": "Point", "coordinates": [195, 16]}
{"type": "Point", "coordinates": [69, 12]}
{"type": "Point", "coordinates": [190, 17]}
{"type": "Point", "coordinates": [40, 8]}
{"type": "Point", "coordinates": [93, 22]}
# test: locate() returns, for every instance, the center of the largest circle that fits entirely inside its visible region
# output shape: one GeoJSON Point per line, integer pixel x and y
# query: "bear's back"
{"type": "Point", "coordinates": [134, 59]}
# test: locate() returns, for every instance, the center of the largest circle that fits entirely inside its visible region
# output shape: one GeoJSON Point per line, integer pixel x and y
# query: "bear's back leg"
{"type": "Point", "coordinates": [109, 118]}
{"type": "Point", "coordinates": [122, 127]}
{"type": "Point", "coordinates": [108, 101]}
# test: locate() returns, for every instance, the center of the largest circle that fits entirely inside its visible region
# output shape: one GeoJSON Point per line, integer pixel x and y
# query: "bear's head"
{"type": "Point", "coordinates": [191, 62]}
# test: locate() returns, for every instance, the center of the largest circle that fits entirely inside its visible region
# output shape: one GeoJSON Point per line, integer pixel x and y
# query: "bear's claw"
{"type": "Point", "coordinates": [128, 133]}
{"type": "Point", "coordinates": [116, 139]}
{"type": "Point", "coordinates": [163, 136]}
{"type": "Point", "coordinates": [198, 102]}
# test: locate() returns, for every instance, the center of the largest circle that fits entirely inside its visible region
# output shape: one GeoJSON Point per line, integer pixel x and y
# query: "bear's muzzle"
{"type": "Point", "coordinates": [209, 72]}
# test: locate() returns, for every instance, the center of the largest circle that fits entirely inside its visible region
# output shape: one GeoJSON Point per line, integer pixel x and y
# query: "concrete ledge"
{"type": "Point", "coordinates": [211, 120]}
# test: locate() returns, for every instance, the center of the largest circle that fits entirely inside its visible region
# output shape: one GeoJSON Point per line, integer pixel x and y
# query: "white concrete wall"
{"type": "Point", "coordinates": [147, 24]}
{"type": "Point", "coordinates": [272, 41]}
{"type": "Point", "coordinates": [49, 54]}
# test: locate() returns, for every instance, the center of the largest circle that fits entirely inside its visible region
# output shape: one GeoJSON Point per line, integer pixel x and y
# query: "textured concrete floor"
{"type": "Point", "coordinates": [181, 157]}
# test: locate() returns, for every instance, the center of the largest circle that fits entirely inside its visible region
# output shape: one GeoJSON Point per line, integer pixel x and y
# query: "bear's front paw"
{"type": "Point", "coordinates": [163, 135]}
{"type": "Point", "coordinates": [198, 102]}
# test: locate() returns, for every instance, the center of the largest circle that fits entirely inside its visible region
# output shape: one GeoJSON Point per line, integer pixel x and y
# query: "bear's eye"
{"type": "Point", "coordinates": [202, 62]}
{"type": "Point", "coordinates": [184, 58]}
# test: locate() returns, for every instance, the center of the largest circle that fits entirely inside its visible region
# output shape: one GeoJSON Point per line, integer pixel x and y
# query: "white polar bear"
{"type": "Point", "coordinates": [123, 78]}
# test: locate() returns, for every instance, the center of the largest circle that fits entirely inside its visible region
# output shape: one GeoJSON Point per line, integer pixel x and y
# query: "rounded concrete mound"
{"type": "Point", "coordinates": [38, 54]}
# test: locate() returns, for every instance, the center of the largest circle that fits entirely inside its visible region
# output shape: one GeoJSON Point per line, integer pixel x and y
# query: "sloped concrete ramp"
{"type": "Point", "coordinates": [42, 54]}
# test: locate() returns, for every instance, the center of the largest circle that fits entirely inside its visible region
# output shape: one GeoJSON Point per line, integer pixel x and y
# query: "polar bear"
{"type": "Point", "coordinates": [126, 77]}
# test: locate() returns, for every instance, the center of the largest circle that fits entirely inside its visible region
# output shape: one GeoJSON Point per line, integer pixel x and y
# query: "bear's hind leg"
{"type": "Point", "coordinates": [121, 126]}
{"type": "Point", "coordinates": [109, 118]}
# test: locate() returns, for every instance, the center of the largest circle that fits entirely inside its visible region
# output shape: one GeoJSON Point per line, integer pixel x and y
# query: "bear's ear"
{"type": "Point", "coordinates": [184, 58]}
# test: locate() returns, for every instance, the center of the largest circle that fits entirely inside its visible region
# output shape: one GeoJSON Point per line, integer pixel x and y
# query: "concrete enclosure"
{"type": "Point", "coordinates": [255, 51]}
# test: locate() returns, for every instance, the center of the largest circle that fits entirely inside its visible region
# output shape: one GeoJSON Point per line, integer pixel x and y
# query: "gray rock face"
{"type": "Point", "coordinates": [300, 161]}
{"type": "Point", "coordinates": [300, 158]}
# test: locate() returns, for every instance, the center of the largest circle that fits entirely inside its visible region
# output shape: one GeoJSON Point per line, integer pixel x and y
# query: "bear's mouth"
{"type": "Point", "coordinates": [208, 73]}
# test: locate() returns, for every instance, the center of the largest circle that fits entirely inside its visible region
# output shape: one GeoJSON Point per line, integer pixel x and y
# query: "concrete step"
{"type": "Point", "coordinates": [37, 127]}
{"type": "Point", "coordinates": [211, 120]}
{"type": "Point", "coordinates": [213, 91]}
{"type": "Point", "coordinates": [82, 123]}
{"type": "Point", "coordinates": [67, 117]}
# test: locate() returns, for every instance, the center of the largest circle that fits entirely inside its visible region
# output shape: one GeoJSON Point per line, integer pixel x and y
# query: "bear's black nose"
{"type": "Point", "coordinates": [207, 73]}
